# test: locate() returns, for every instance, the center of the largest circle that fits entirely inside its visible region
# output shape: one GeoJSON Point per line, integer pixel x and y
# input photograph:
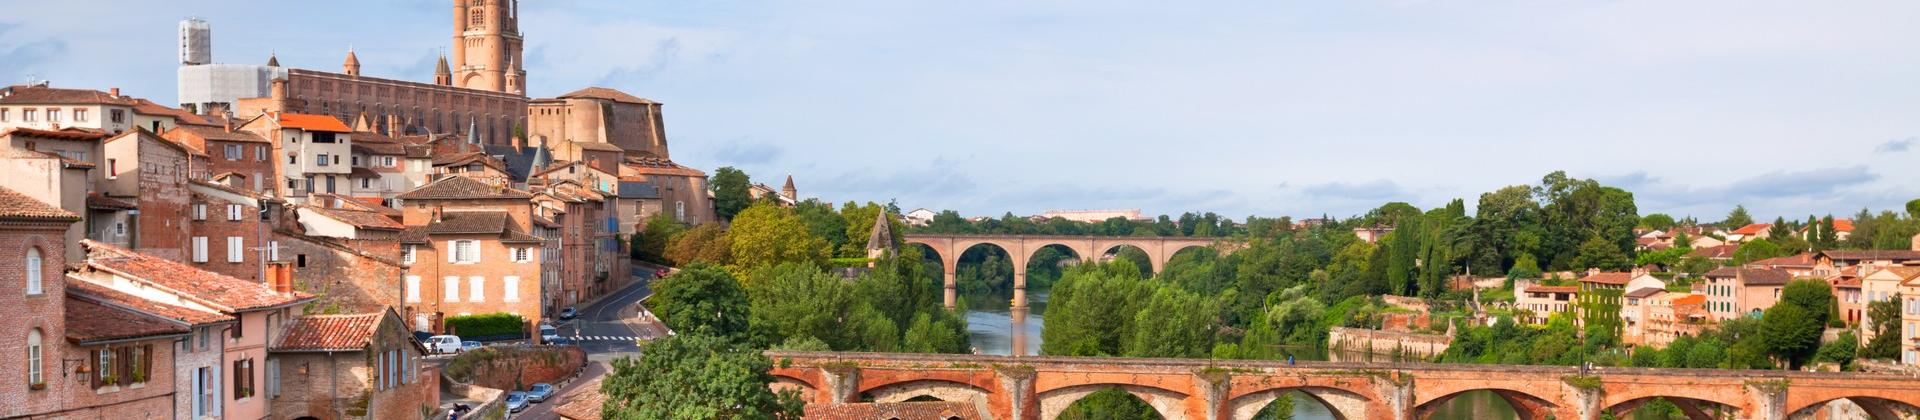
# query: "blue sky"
{"type": "Point", "coordinates": [1238, 107]}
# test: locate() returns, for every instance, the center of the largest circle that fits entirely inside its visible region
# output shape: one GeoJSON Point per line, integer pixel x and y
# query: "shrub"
{"type": "Point", "coordinates": [487, 325]}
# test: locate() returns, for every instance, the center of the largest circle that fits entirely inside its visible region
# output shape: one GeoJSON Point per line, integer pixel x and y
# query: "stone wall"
{"type": "Point", "coordinates": [1388, 342]}
{"type": "Point", "coordinates": [499, 367]}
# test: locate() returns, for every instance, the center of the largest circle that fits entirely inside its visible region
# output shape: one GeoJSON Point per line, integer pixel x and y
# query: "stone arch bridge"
{"type": "Point", "coordinates": [1020, 248]}
{"type": "Point", "coordinates": [1002, 387]}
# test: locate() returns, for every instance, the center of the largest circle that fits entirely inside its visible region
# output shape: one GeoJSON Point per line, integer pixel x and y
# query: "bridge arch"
{"type": "Point", "coordinates": [808, 392]}
{"type": "Point", "coordinates": [943, 390]}
{"type": "Point", "coordinates": [1693, 408]}
{"type": "Point", "coordinates": [1877, 407]}
{"type": "Point", "coordinates": [1526, 404]}
{"type": "Point", "coordinates": [1345, 404]}
{"type": "Point", "coordinates": [1155, 260]}
{"type": "Point", "coordinates": [1168, 403]}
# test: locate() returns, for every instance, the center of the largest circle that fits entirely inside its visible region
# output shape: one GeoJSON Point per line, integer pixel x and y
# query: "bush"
{"type": "Point", "coordinates": [487, 325]}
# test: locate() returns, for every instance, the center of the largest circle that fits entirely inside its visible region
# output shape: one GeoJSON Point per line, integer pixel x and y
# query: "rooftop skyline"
{"type": "Point", "coordinates": [1302, 110]}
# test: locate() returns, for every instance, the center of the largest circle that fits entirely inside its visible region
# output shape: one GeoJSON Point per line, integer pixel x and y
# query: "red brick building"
{"type": "Point", "coordinates": [468, 251]}
{"type": "Point", "coordinates": [235, 158]}
{"type": "Point", "coordinates": [152, 172]}
{"type": "Point", "coordinates": [352, 366]}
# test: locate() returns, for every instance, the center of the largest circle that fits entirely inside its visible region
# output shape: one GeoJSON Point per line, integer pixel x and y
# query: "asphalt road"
{"type": "Point", "coordinates": [606, 330]}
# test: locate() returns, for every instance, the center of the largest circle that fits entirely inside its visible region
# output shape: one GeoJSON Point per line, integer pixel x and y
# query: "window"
{"type": "Point", "coordinates": [199, 249]}
{"type": "Point", "coordinates": [322, 158]}
{"type": "Point", "coordinates": [79, 115]}
{"type": "Point", "coordinates": [238, 330]}
{"type": "Point", "coordinates": [235, 213]}
{"type": "Point", "coordinates": [273, 378]}
{"type": "Point", "coordinates": [522, 254]}
{"type": "Point", "coordinates": [476, 289]}
{"type": "Point", "coordinates": [292, 159]}
{"type": "Point", "coordinates": [199, 212]}
{"type": "Point", "coordinates": [33, 271]}
{"type": "Point", "coordinates": [103, 368]}
{"type": "Point", "coordinates": [388, 161]}
{"type": "Point", "coordinates": [680, 210]}
{"type": "Point", "coordinates": [260, 153]}
{"type": "Point", "coordinates": [513, 288]}
{"type": "Point", "coordinates": [117, 115]}
{"type": "Point", "coordinates": [453, 289]}
{"type": "Point", "coordinates": [34, 358]}
{"type": "Point", "coordinates": [236, 249]}
{"type": "Point", "coordinates": [232, 151]}
{"type": "Point", "coordinates": [273, 251]}
{"type": "Point", "coordinates": [366, 183]}
{"type": "Point", "coordinates": [53, 115]}
{"type": "Point", "coordinates": [4, 114]}
{"type": "Point", "coordinates": [203, 392]}
{"type": "Point", "coordinates": [406, 254]}
{"type": "Point", "coordinates": [29, 115]}
{"type": "Point", "coordinates": [356, 160]}
{"type": "Point", "coordinates": [465, 252]}
{"type": "Point", "coordinates": [242, 379]}
{"type": "Point", "coordinates": [413, 289]}
{"type": "Point", "coordinates": [477, 19]}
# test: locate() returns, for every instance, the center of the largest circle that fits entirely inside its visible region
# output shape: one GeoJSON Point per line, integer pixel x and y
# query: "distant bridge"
{"type": "Point", "coordinates": [1042, 387]}
{"type": "Point", "coordinates": [1020, 248]}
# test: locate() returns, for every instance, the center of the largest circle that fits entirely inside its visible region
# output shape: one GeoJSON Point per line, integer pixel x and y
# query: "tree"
{"type": "Point", "coordinates": [731, 192]}
{"type": "Point", "coordinates": [1737, 218]}
{"type": "Point", "coordinates": [702, 299]}
{"type": "Point", "coordinates": [767, 234]}
{"type": "Point", "coordinates": [1913, 208]}
{"type": "Point", "coordinates": [650, 244]}
{"type": "Point", "coordinates": [1791, 332]}
{"type": "Point", "coordinates": [1884, 316]}
{"type": "Point", "coordinates": [1109, 404]}
{"type": "Point", "coordinates": [1813, 295]}
{"type": "Point", "coordinates": [695, 376]}
{"type": "Point", "coordinates": [1841, 351]}
{"type": "Point", "coordinates": [704, 243]}
{"type": "Point", "coordinates": [1657, 221]}
{"type": "Point", "coordinates": [1598, 252]}
{"type": "Point", "coordinates": [1757, 250]}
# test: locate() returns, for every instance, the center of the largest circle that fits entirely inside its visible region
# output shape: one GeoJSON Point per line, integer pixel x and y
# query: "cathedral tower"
{"type": "Point", "coordinates": [486, 46]}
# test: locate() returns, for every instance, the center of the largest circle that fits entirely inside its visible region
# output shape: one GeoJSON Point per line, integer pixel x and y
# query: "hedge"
{"type": "Point", "coordinates": [487, 325]}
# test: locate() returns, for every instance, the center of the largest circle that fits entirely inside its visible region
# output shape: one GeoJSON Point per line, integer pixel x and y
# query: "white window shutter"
{"type": "Point", "coordinates": [453, 251]}
{"type": "Point", "coordinates": [453, 289]}
{"type": "Point", "coordinates": [236, 249]}
{"type": "Point", "coordinates": [199, 249]}
{"type": "Point", "coordinates": [512, 289]}
{"type": "Point", "coordinates": [413, 289]}
{"type": "Point", "coordinates": [477, 290]}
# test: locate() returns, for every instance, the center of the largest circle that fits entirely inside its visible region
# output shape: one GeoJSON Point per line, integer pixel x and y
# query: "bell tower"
{"type": "Point", "coordinates": [487, 45]}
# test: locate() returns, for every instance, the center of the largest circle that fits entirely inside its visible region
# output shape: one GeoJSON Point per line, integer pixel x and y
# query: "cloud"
{"type": "Point", "coordinates": [19, 58]}
{"type": "Point", "coordinates": [1814, 182]}
{"type": "Point", "coordinates": [1378, 189]}
{"type": "Point", "coordinates": [1896, 146]}
{"type": "Point", "coordinates": [665, 53]}
{"type": "Point", "coordinates": [941, 177]}
{"type": "Point", "coordinates": [745, 152]}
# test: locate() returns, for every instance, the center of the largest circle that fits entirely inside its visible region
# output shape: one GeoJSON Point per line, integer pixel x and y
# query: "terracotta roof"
{"type": "Point", "coordinates": [543, 221]}
{"type": "Point", "coordinates": [1690, 300]}
{"type": "Point", "coordinates": [181, 116]}
{"type": "Point", "coordinates": [1872, 254]}
{"type": "Point", "coordinates": [414, 235]}
{"type": "Point", "coordinates": [362, 172]}
{"type": "Point", "coordinates": [598, 146]}
{"type": "Point", "coordinates": [469, 222]}
{"type": "Point", "coordinates": [37, 94]}
{"type": "Point", "coordinates": [928, 410]}
{"type": "Point", "coordinates": [97, 201]}
{"type": "Point", "coordinates": [1754, 276]}
{"type": "Point", "coordinates": [605, 94]}
{"type": "Point", "coordinates": [1614, 278]}
{"type": "Point", "coordinates": [1848, 283]}
{"type": "Point", "coordinates": [214, 289]}
{"type": "Point", "coordinates": [17, 206]}
{"type": "Point", "coordinates": [1802, 260]}
{"type": "Point", "coordinates": [647, 165]}
{"type": "Point", "coordinates": [1551, 289]}
{"type": "Point", "coordinates": [310, 122]}
{"type": "Point", "coordinates": [358, 218]}
{"type": "Point", "coordinates": [462, 188]}
{"type": "Point", "coordinates": [1645, 291]}
{"type": "Point", "coordinates": [89, 322]}
{"type": "Point", "coordinates": [1905, 273]}
{"type": "Point", "coordinates": [555, 167]}
{"type": "Point", "coordinates": [62, 134]}
{"type": "Point", "coordinates": [101, 294]}
{"type": "Point", "coordinates": [349, 332]}
{"type": "Point", "coordinates": [1839, 225]}
{"type": "Point", "coordinates": [218, 134]}
{"type": "Point", "coordinates": [1721, 251]}
{"type": "Point", "coordinates": [586, 403]}
{"type": "Point", "coordinates": [1752, 229]}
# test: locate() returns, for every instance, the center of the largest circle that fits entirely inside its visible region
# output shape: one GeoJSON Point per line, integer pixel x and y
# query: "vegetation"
{"type": "Point", "coordinates": [731, 192]}
{"type": "Point", "coordinates": [487, 325]}
{"type": "Point", "coordinates": [696, 376]}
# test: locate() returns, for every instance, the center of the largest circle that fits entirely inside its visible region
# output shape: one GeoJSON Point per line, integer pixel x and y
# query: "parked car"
{"type": "Point", "coordinates": [470, 345]}
{"type": "Point", "coordinates": [539, 392]}
{"type": "Point", "coordinates": [560, 341]}
{"type": "Point", "coordinates": [443, 344]}
{"type": "Point", "coordinates": [517, 401]}
{"type": "Point", "coordinates": [548, 333]}
{"type": "Point", "coordinates": [569, 313]}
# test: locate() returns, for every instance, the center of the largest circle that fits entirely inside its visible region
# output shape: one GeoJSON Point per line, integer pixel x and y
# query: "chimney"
{"type": "Point", "coordinates": [1593, 271]}
{"type": "Point", "coordinates": [228, 123]}
{"type": "Point", "coordinates": [395, 127]}
{"type": "Point", "coordinates": [280, 276]}
{"type": "Point", "coordinates": [436, 213]}
{"type": "Point", "coordinates": [114, 92]}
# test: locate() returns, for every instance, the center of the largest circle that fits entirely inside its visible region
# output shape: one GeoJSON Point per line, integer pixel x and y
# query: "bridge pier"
{"type": "Point", "coordinates": [1019, 287]}
{"type": "Point", "coordinates": [1019, 327]}
{"type": "Point", "coordinates": [952, 281]}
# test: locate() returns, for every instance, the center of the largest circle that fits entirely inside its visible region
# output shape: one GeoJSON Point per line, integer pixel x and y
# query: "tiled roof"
{"type": "Point", "coordinates": [598, 146]}
{"type": "Point", "coordinates": [605, 94]}
{"type": "Point", "coordinates": [1690, 300]}
{"type": "Point", "coordinates": [1872, 254]}
{"type": "Point", "coordinates": [181, 116]}
{"type": "Point", "coordinates": [1802, 260]}
{"type": "Point", "coordinates": [102, 202]}
{"type": "Point", "coordinates": [358, 218]}
{"type": "Point", "coordinates": [414, 235]}
{"type": "Point", "coordinates": [219, 134]}
{"type": "Point", "coordinates": [1753, 229]}
{"type": "Point", "coordinates": [1754, 276]}
{"type": "Point", "coordinates": [101, 294]}
{"type": "Point", "coordinates": [214, 289]}
{"type": "Point", "coordinates": [1839, 225]}
{"type": "Point", "coordinates": [586, 403]}
{"type": "Point", "coordinates": [310, 122]}
{"type": "Point", "coordinates": [469, 222]}
{"type": "Point", "coordinates": [362, 172]}
{"type": "Point", "coordinates": [1905, 273]}
{"type": "Point", "coordinates": [62, 134]}
{"type": "Point", "coordinates": [1615, 278]}
{"type": "Point", "coordinates": [462, 188]}
{"type": "Point", "coordinates": [1645, 291]}
{"type": "Point", "coordinates": [17, 206]}
{"type": "Point", "coordinates": [329, 332]}
{"type": "Point", "coordinates": [93, 322]}
{"type": "Point", "coordinates": [1552, 289]}
{"type": "Point", "coordinates": [36, 94]}
{"type": "Point", "coordinates": [1721, 251]}
{"type": "Point", "coordinates": [1848, 283]}
{"type": "Point", "coordinates": [648, 165]}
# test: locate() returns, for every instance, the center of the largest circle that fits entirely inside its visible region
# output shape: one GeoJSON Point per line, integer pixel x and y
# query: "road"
{"type": "Point", "coordinates": [606, 330]}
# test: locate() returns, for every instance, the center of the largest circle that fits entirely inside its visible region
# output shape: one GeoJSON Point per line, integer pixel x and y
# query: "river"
{"type": "Point", "coordinates": [990, 322]}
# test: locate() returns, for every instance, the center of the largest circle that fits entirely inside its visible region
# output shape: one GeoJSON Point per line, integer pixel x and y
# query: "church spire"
{"type": "Point", "coordinates": [273, 58]}
{"type": "Point", "coordinates": [441, 74]}
{"type": "Point", "coordinates": [352, 65]}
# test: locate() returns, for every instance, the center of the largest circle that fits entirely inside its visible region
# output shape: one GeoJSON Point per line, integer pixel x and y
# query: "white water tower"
{"type": "Point", "coordinates": [196, 42]}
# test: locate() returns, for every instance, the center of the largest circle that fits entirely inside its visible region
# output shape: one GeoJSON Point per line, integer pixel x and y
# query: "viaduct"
{"type": "Point", "coordinates": [1001, 387]}
{"type": "Point", "coordinates": [1019, 248]}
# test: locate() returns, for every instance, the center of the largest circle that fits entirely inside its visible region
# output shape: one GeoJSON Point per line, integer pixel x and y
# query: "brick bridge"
{"type": "Point", "coordinates": [1001, 387]}
{"type": "Point", "coordinates": [1021, 247]}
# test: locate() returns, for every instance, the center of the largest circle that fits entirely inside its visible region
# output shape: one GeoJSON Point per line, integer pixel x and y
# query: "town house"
{"type": "Point", "coordinates": [352, 366]}
{"type": "Point", "coordinates": [1737, 292]}
{"type": "Point", "coordinates": [468, 251]}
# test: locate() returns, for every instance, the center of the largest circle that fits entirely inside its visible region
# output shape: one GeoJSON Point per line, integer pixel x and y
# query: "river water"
{"type": "Point", "coordinates": [990, 325]}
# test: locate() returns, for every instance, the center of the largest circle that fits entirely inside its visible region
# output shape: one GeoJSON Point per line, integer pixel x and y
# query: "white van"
{"type": "Point", "coordinates": [443, 344]}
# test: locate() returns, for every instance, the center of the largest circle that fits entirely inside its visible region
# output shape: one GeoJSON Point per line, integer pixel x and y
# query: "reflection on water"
{"type": "Point", "coordinates": [990, 324]}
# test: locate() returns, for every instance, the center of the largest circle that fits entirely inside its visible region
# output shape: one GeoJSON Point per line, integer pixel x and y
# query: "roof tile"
{"type": "Point", "coordinates": [88, 321]}
{"type": "Point", "coordinates": [329, 332]}
{"type": "Point", "coordinates": [17, 206]}
{"type": "Point", "coordinates": [218, 290]}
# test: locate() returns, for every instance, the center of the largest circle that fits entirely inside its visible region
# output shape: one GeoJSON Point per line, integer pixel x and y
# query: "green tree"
{"type": "Point", "coordinates": [1757, 250]}
{"type": "Point", "coordinates": [767, 234]}
{"type": "Point", "coordinates": [1813, 295]}
{"type": "Point", "coordinates": [1841, 351]}
{"type": "Point", "coordinates": [928, 335]}
{"type": "Point", "coordinates": [705, 243]}
{"type": "Point", "coordinates": [1737, 218]}
{"type": "Point", "coordinates": [1657, 221]}
{"type": "Point", "coordinates": [1598, 252]}
{"type": "Point", "coordinates": [1913, 208]}
{"type": "Point", "coordinates": [825, 223]}
{"type": "Point", "coordinates": [1092, 309]}
{"type": "Point", "coordinates": [1885, 344]}
{"type": "Point", "coordinates": [702, 299]}
{"type": "Point", "coordinates": [650, 244]}
{"type": "Point", "coordinates": [695, 376]}
{"type": "Point", "coordinates": [1791, 332]}
{"type": "Point", "coordinates": [1172, 323]}
{"type": "Point", "coordinates": [1109, 404]}
{"type": "Point", "coordinates": [731, 192]}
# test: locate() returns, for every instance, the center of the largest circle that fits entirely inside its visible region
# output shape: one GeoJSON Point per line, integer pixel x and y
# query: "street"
{"type": "Point", "coordinates": [606, 330]}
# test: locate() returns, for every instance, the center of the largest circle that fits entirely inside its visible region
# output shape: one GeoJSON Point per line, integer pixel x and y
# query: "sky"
{"type": "Point", "coordinates": [1242, 108]}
